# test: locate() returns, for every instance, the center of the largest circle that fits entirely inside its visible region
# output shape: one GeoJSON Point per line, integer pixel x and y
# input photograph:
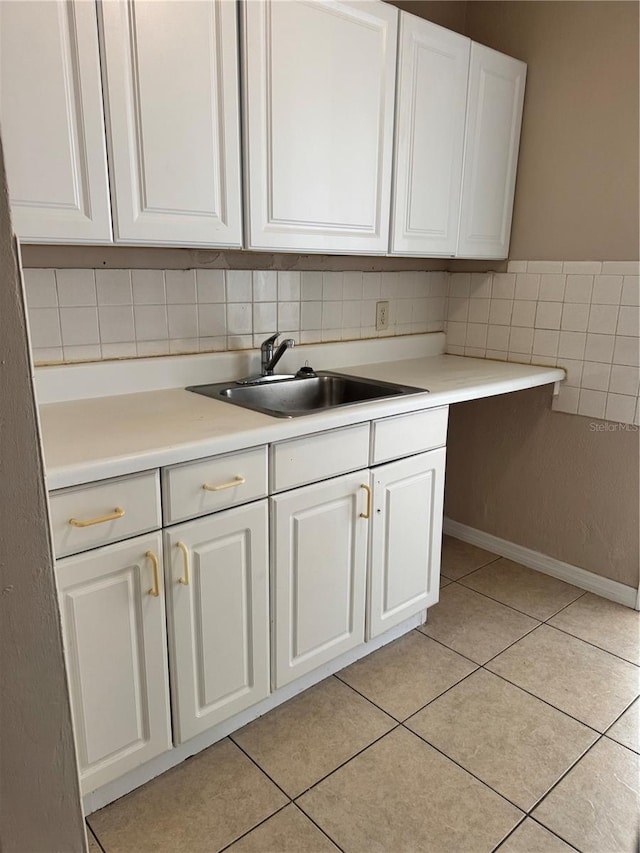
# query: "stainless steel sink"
{"type": "Point", "coordinates": [292, 397]}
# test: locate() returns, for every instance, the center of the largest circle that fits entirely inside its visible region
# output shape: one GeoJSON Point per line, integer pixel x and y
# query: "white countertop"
{"type": "Point", "coordinates": [91, 439]}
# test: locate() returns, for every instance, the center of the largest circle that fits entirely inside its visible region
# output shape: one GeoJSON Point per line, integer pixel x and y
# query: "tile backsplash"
{"type": "Point", "coordinates": [579, 315]}
{"type": "Point", "coordinates": [93, 314]}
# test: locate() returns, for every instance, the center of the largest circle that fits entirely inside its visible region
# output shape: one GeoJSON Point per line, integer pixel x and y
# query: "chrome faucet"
{"type": "Point", "coordinates": [269, 358]}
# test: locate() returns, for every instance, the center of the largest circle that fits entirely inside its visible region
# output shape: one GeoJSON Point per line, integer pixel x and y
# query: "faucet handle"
{"type": "Point", "coordinates": [270, 341]}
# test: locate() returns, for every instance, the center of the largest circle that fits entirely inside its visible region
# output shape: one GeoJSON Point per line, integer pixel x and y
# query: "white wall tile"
{"type": "Point", "coordinates": [527, 286]}
{"type": "Point", "coordinates": [552, 288]}
{"type": "Point", "coordinates": [351, 313]}
{"type": "Point", "coordinates": [524, 313]}
{"type": "Point", "coordinates": [621, 408]}
{"type": "Point", "coordinates": [76, 288]}
{"type": "Point", "coordinates": [332, 286]}
{"type": "Point", "coordinates": [571, 345]}
{"type": "Point", "coordinates": [479, 310]}
{"type": "Point", "coordinates": [603, 319]}
{"type": "Point", "coordinates": [86, 352]}
{"type": "Point", "coordinates": [151, 325]}
{"type": "Point", "coordinates": [288, 316]}
{"type": "Point", "coordinates": [521, 340]}
{"type": "Point", "coordinates": [599, 348]}
{"type": "Point", "coordinates": [582, 267]}
{"type": "Point", "coordinates": [621, 267]}
{"type": "Point", "coordinates": [212, 320]}
{"type": "Point", "coordinates": [47, 354]}
{"type": "Point", "coordinates": [498, 338]}
{"type": "Point", "coordinates": [592, 403]}
{"type": "Point", "coordinates": [184, 345]}
{"type": "Point", "coordinates": [239, 342]}
{"type": "Point", "coordinates": [79, 326]}
{"type": "Point", "coordinates": [352, 285]}
{"type": "Point", "coordinates": [116, 324]}
{"type": "Point", "coordinates": [503, 286]}
{"type": "Point", "coordinates": [548, 315]}
{"type": "Point", "coordinates": [476, 335]}
{"type": "Point", "coordinates": [607, 290]}
{"type": "Point", "coordinates": [500, 312]}
{"type": "Point", "coordinates": [239, 287]}
{"type": "Point", "coordinates": [578, 288]}
{"type": "Point", "coordinates": [624, 379]}
{"type": "Point", "coordinates": [183, 321]}
{"type": "Point", "coordinates": [288, 286]}
{"type": "Point", "coordinates": [573, 369]}
{"type": "Point", "coordinates": [239, 320]}
{"type": "Point", "coordinates": [575, 317]}
{"type": "Point", "coordinates": [210, 286]}
{"type": "Point", "coordinates": [544, 266]}
{"type": "Point", "coordinates": [628, 321]}
{"type": "Point", "coordinates": [311, 316]}
{"type": "Point", "coordinates": [311, 286]}
{"type": "Point", "coordinates": [371, 285]}
{"type": "Point", "coordinates": [44, 327]}
{"type": "Point", "coordinates": [460, 284]}
{"type": "Point", "coordinates": [566, 400]}
{"type": "Point", "coordinates": [595, 376]}
{"type": "Point", "coordinates": [113, 287]}
{"type": "Point", "coordinates": [475, 352]}
{"type": "Point", "coordinates": [181, 287]}
{"type": "Point", "coordinates": [456, 333]}
{"type": "Point", "coordinates": [626, 351]}
{"type": "Point", "coordinates": [481, 283]}
{"type": "Point", "coordinates": [438, 283]}
{"type": "Point", "coordinates": [545, 342]}
{"type": "Point", "coordinates": [265, 286]}
{"type": "Point", "coordinates": [630, 290]}
{"type": "Point", "coordinates": [148, 287]}
{"type": "Point", "coordinates": [150, 348]}
{"type": "Point", "coordinates": [516, 266]}
{"type": "Point", "coordinates": [458, 310]}
{"type": "Point", "coordinates": [215, 344]}
{"type": "Point", "coordinates": [40, 288]}
{"type": "Point", "coordinates": [126, 349]}
{"type": "Point", "coordinates": [331, 315]}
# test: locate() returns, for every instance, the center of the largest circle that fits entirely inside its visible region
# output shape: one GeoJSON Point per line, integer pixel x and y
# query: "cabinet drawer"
{"type": "Point", "coordinates": [205, 486]}
{"type": "Point", "coordinates": [85, 517]}
{"type": "Point", "coordinates": [404, 435]}
{"type": "Point", "coordinates": [318, 457]}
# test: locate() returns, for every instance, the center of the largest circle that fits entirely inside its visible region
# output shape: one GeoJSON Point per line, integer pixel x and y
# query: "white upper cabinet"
{"type": "Point", "coordinates": [492, 139]}
{"type": "Point", "coordinates": [433, 68]}
{"type": "Point", "coordinates": [172, 95]}
{"type": "Point", "coordinates": [319, 103]}
{"type": "Point", "coordinates": [52, 122]}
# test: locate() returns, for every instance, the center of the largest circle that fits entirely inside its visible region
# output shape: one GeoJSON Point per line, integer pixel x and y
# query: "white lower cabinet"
{"type": "Point", "coordinates": [217, 571]}
{"type": "Point", "coordinates": [405, 539]}
{"type": "Point", "coordinates": [319, 564]}
{"type": "Point", "coordinates": [113, 620]}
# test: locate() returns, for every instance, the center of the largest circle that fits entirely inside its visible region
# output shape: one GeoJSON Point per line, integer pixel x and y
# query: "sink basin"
{"type": "Point", "coordinates": [292, 397]}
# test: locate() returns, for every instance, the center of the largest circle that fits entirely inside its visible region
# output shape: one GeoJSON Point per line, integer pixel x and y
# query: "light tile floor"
{"type": "Point", "coordinates": [507, 722]}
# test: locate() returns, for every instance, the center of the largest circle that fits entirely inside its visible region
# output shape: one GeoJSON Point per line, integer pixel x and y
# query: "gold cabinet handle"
{"type": "Point", "coordinates": [367, 489]}
{"type": "Point", "coordinates": [155, 589]}
{"type": "Point", "coordinates": [237, 481]}
{"type": "Point", "coordinates": [117, 513]}
{"type": "Point", "coordinates": [185, 556]}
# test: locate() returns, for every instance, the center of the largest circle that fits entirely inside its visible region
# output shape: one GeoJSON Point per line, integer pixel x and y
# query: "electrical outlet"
{"type": "Point", "coordinates": [382, 316]}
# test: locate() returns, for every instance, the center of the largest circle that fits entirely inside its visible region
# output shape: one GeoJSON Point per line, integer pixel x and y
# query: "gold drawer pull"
{"type": "Point", "coordinates": [185, 556]}
{"type": "Point", "coordinates": [117, 513]}
{"type": "Point", "coordinates": [366, 514]}
{"type": "Point", "coordinates": [155, 589]}
{"type": "Point", "coordinates": [237, 481]}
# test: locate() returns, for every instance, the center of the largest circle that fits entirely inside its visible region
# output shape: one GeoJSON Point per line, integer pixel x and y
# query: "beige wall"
{"type": "Point", "coordinates": [515, 469]}
{"type": "Point", "coordinates": [39, 795]}
{"type": "Point", "coordinates": [447, 13]}
{"type": "Point", "coordinates": [577, 186]}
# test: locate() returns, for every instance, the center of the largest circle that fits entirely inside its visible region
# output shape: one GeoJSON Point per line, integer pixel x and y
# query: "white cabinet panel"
{"type": "Point", "coordinates": [433, 68]}
{"type": "Point", "coordinates": [405, 539]}
{"type": "Point", "coordinates": [319, 542]}
{"type": "Point", "coordinates": [217, 578]}
{"type": "Point", "coordinates": [52, 121]}
{"type": "Point", "coordinates": [319, 96]}
{"type": "Point", "coordinates": [173, 114]}
{"type": "Point", "coordinates": [492, 140]}
{"type": "Point", "coordinates": [115, 643]}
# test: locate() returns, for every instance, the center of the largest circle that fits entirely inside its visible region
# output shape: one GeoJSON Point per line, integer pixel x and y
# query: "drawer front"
{"type": "Point", "coordinates": [85, 517]}
{"type": "Point", "coordinates": [198, 488]}
{"type": "Point", "coordinates": [404, 435]}
{"type": "Point", "coordinates": [318, 457]}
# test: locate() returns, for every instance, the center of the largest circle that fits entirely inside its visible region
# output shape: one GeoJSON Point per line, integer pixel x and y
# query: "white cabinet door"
{"type": "Point", "coordinates": [173, 116]}
{"type": "Point", "coordinates": [492, 139]}
{"type": "Point", "coordinates": [319, 544]}
{"type": "Point", "coordinates": [116, 648]}
{"type": "Point", "coordinates": [405, 539]}
{"type": "Point", "coordinates": [218, 580]}
{"type": "Point", "coordinates": [52, 121]}
{"type": "Point", "coordinates": [319, 91]}
{"type": "Point", "coordinates": [433, 69]}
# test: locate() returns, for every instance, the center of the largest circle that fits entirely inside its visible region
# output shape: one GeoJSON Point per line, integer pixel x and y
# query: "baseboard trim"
{"type": "Point", "coordinates": [605, 587]}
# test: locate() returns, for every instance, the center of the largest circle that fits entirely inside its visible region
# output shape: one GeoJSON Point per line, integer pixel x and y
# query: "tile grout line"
{"type": "Point", "coordinates": [91, 834]}
{"type": "Point", "coordinates": [477, 568]}
{"type": "Point", "coordinates": [317, 825]}
{"type": "Point", "coordinates": [255, 763]}
{"type": "Point", "coordinates": [366, 698]}
{"type": "Point", "coordinates": [589, 643]}
{"type": "Point", "coordinates": [511, 607]}
{"type": "Point", "coordinates": [249, 831]}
